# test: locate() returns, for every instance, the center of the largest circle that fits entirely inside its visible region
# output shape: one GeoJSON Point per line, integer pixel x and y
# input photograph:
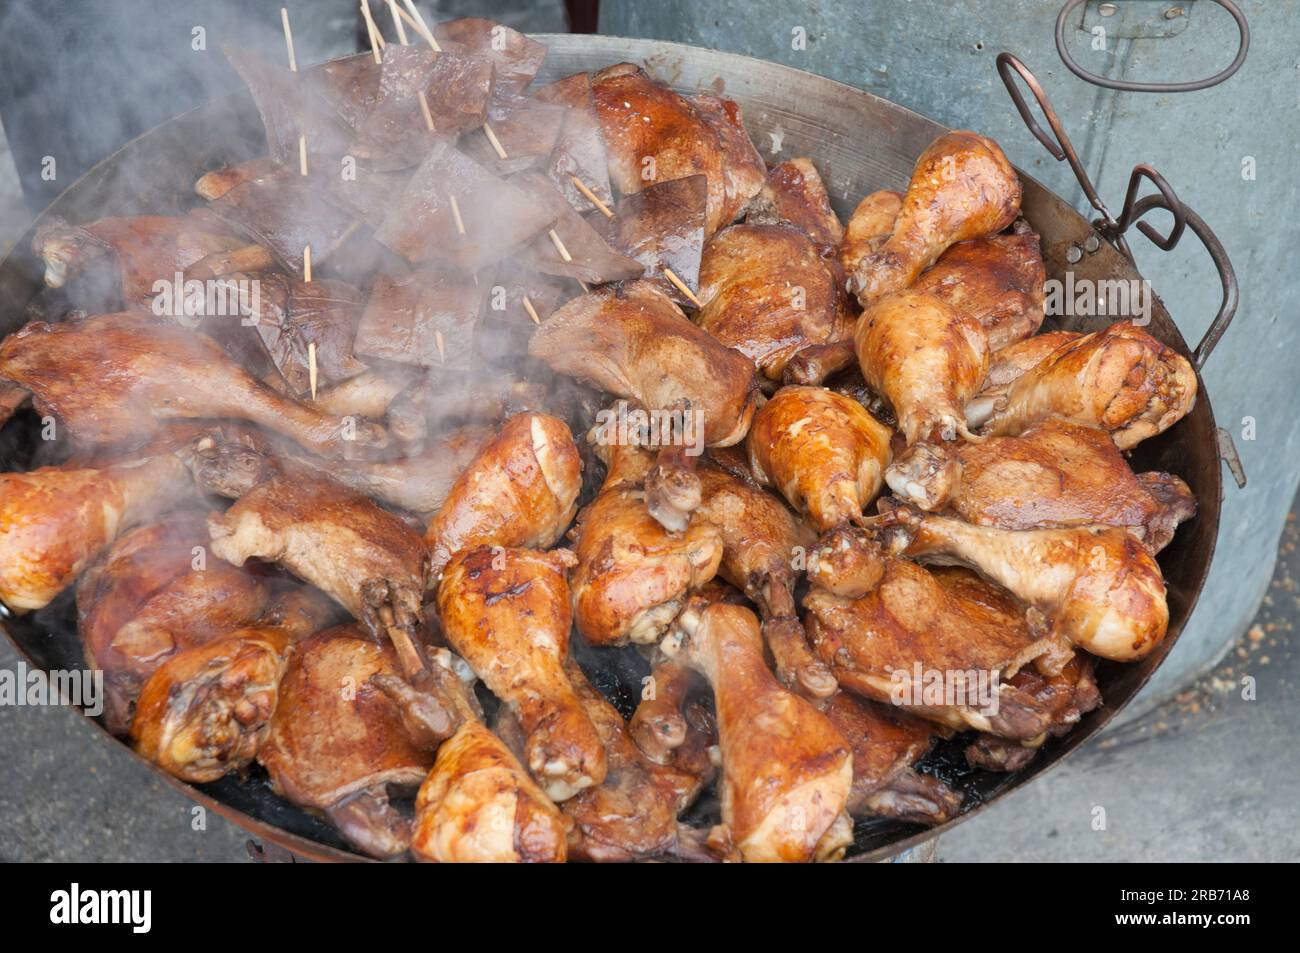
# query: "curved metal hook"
{"type": "Point", "coordinates": [1129, 214]}
{"type": "Point", "coordinates": [1243, 30]}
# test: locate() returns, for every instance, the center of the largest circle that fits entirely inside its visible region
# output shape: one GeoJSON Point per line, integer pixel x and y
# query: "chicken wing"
{"type": "Point", "coordinates": [153, 595]}
{"type": "Point", "coordinates": [654, 135]}
{"type": "Point", "coordinates": [521, 489]}
{"type": "Point", "coordinates": [786, 771]}
{"type": "Point", "coordinates": [822, 450]}
{"type": "Point", "coordinates": [767, 293]}
{"type": "Point", "coordinates": [506, 611]}
{"type": "Point", "coordinates": [926, 358]}
{"type": "Point", "coordinates": [1055, 474]}
{"type": "Point", "coordinates": [962, 187]}
{"type": "Point", "coordinates": [634, 576]}
{"type": "Point", "coordinates": [1097, 586]}
{"type": "Point", "coordinates": [54, 521]}
{"type": "Point", "coordinates": [115, 378]}
{"type": "Point", "coordinates": [337, 742]}
{"type": "Point", "coordinates": [1120, 379]}
{"type": "Point", "coordinates": [206, 710]}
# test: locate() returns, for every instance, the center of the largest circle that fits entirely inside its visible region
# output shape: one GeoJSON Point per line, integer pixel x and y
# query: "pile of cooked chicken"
{"type": "Point", "coordinates": [360, 533]}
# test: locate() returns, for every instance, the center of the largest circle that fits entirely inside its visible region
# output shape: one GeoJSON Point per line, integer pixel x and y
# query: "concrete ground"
{"type": "Point", "coordinates": [1208, 776]}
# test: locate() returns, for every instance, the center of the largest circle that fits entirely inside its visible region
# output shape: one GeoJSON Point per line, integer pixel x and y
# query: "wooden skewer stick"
{"type": "Point", "coordinates": [496, 143]}
{"type": "Point", "coordinates": [397, 22]}
{"type": "Point", "coordinates": [532, 312]}
{"type": "Point", "coordinates": [455, 213]}
{"type": "Point", "coordinates": [302, 154]}
{"type": "Point", "coordinates": [288, 39]}
{"type": "Point", "coordinates": [421, 26]}
{"type": "Point", "coordinates": [592, 197]}
{"type": "Point", "coordinates": [442, 351]}
{"type": "Point", "coordinates": [424, 108]}
{"type": "Point", "coordinates": [681, 285]}
{"type": "Point", "coordinates": [559, 246]}
{"type": "Point", "coordinates": [311, 367]}
{"type": "Point", "coordinates": [376, 41]}
{"type": "Point", "coordinates": [420, 30]}
{"type": "Point", "coordinates": [306, 264]}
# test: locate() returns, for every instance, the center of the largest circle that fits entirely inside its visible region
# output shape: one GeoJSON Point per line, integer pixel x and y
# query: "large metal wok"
{"type": "Point", "coordinates": [865, 141]}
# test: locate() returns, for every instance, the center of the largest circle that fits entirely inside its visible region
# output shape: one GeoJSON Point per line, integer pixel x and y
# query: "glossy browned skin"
{"type": "Point", "coordinates": [632, 815]}
{"type": "Point", "coordinates": [796, 195]}
{"type": "Point", "coordinates": [761, 543]}
{"type": "Point", "coordinates": [158, 592]}
{"type": "Point", "coordinates": [822, 450]}
{"type": "Point", "coordinates": [1120, 379]}
{"type": "Point", "coordinates": [658, 726]}
{"type": "Point", "coordinates": [206, 710]}
{"type": "Point", "coordinates": [633, 576]}
{"type": "Point", "coordinates": [506, 611]}
{"type": "Point", "coordinates": [632, 341]}
{"type": "Point", "coordinates": [874, 618]}
{"type": "Point", "coordinates": [997, 280]}
{"type": "Point", "coordinates": [1097, 586]}
{"type": "Point", "coordinates": [926, 358]}
{"type": "Point", "coordinates": [54, 521]}
{"type": "Point", "coordinates": [962, 187]}
{"type": "Point", "coordinates": [147, 248]}
{"type": "Point", "coordinates": [368, 394]}
{"type": "Point", "coordinates": [337, 741]}
{"type": "Point", "coordinates": [478, 805]}
{"type": "Point", "coordinates": [786, 771]}
{"type": "Point", "coordinates": [369, 560]}
{"type": "Point", "coordinates": [212, 185]}
{"type": "Point", "coordinates": [641, 118]}
{"type": "Point", "coordinates": [1055, 474]}
{"type": "Point", "coordinates": [1008, 365]}
{"type": "Point", "coordinates": [886, 743]}
{"type": "Point", "coordinates": [869, 226]}
{"type": "Point", "coordinates": [144, 373]}
{"type": "Point", "coordinates": [520, 489]}
{"type": "Point", "coordinates": [768, 293]}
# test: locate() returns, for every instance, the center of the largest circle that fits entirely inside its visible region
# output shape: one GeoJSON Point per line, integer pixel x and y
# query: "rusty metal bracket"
{"type": "Point", "coordinates": [1228, 454]}
{"type": "Point", "coordinates": [1129, 86]}
{"type": "Point", "coordinates": [1112, 228]}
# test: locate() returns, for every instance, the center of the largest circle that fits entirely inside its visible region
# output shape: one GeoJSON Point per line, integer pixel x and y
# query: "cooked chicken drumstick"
{"type": "Point", "coordinates": [115, 378]}
{"type": "Point", "coordinates": [962, 187]}
{"type": "Point", "coordinates": [506, 611]}
{"type": "Point", "coordinates": [822, 450]}
{"type": "Point", "coordinates": [786, 771]}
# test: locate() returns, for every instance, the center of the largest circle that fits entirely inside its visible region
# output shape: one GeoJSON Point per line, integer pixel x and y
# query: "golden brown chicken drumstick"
{"type": "Point", "coordinates": [1055, 474]}
{"type": "Point", "coordinates": [54, 521]}
{"type": "Point", "coordinates": [654, 135]}
{"type": "Point", "coordinates": [926, 358]}
{"type": "Point", "coordinates": [886, 743]}
{"type": "Point", "coordinates": [761, 543]}
{"type": "Point", "coordinates": [1120, 379]}
{"type": "Point", "coordinates": [144, 373]}
{"type": "Point", "coordinates": [506, 611]}
{"type": "Point", "coordinates": [822, 450]}
{"type": "Point", "coordinates": [337, 742]}
{"type": "Point", "coordinates": [632, 341]}
{"type": "Point", "coordinates": [369, 560]}
{"type": "Point", "coordinates": [520, 489]}
{"type": "Point", "coordinates": [633, 576]}
{"type": "Point", "coordinates": [786, 771]}
{"type": "Point", "coordinates": [962, 187]}
{"type": "Point", "coordinates": [1097, 586]}
{"type": "Point", "coordinates": [767, 293]}
{"type": "Point", "coordinates": [1008, 365]}
{"type": "Point", "coordinates": [206, 710]}
{"type": "Point", "coordinates": [154, 594]}
{"type": "Point", "coordinates": [881, 623]}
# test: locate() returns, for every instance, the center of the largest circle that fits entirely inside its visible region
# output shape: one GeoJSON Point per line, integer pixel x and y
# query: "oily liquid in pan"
{"type": "Point", "coordinates": [805, 108]}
